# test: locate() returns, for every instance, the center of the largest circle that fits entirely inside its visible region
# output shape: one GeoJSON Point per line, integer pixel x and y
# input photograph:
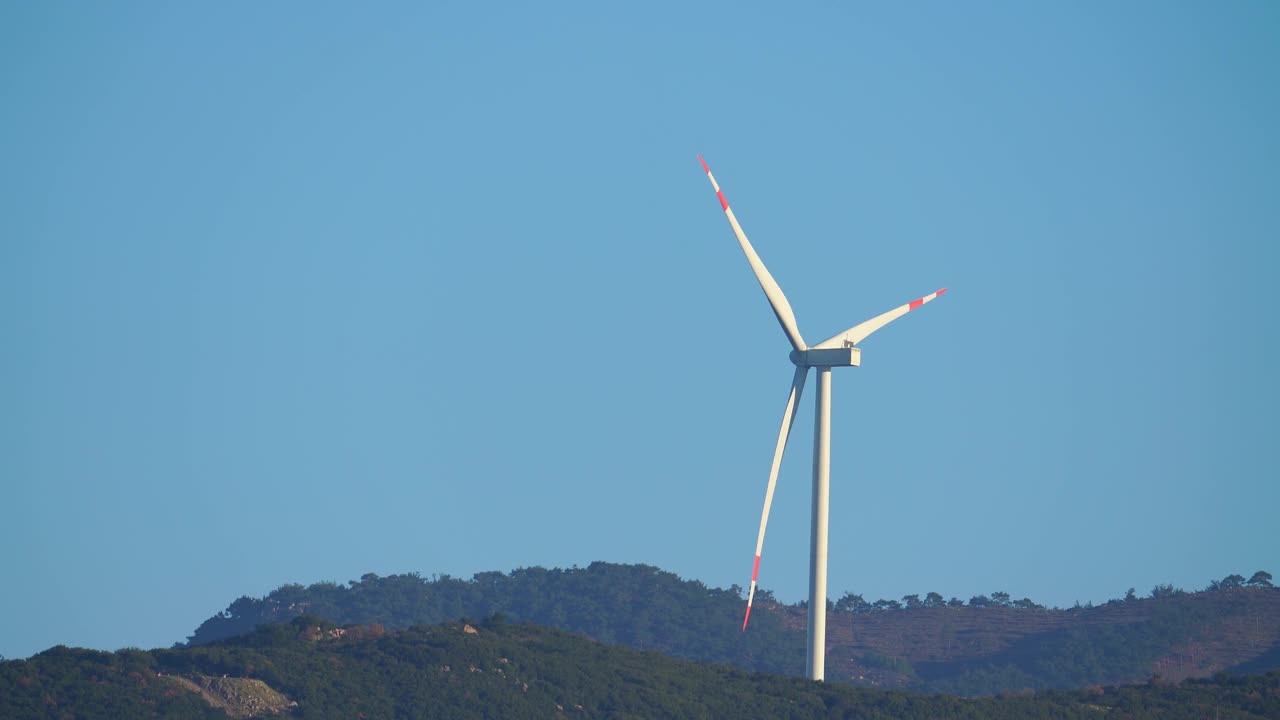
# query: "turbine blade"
{"type": "Point", "coordinates": [784, 432]}
{"type": "Point", "coordinates": [778, 301]}
{"type": "Point", "coordinates": [859, 332]}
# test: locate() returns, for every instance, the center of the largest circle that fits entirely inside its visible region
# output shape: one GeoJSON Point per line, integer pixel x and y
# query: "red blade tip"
{"type": "Point", "coordinates": [943, 290]}
{"type": "Point", "coordinates": [704, 164]}
{"type": "Point", "coordinates": [746, 618]}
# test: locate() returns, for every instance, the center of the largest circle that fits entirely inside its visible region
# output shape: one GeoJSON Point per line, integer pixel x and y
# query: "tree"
{"type": "Point", "coordinates": [912, 602]}
{"type": "Point", "coordinates": [955, 602]}
{"type": "Point", "coordinates": [1231, 582]}
{"type": "Point", "coordinates": [933, 599]}
{"type": "Point", "coordinates": [979, 601]}
{"type": "Point", "coordinates": [1000, 599]}
{"type": "Point", "coordinates": [1130, 596]}
{"type": "Point", "coordinates": [852, 602]}
{"type": "Point", "coordinates": [1262, 578]}
{"type": "Point", "coordinates": [1166, 590]}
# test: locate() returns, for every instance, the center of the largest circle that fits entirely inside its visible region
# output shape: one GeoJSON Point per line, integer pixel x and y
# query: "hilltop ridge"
{"type": "Point", "coordinates": [988, 645]}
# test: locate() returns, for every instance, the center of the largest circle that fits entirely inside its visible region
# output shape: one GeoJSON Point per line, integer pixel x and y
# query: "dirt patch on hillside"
{"type": "Point", "coordinates": [238, 697]}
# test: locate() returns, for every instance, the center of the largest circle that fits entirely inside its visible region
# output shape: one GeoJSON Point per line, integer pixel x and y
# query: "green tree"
{"type": "Point", "coordinates": [1231, 582]}
{"type": "Point", "coordinates": [852, 602]}
{"type": "Point", "coordinates": [1262, 578]}
{"type": "Point", "coordinates": [933, 599]}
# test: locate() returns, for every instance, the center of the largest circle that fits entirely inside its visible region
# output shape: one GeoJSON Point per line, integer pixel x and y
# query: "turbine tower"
{"type": "Point", "coordinates": [837, 351]}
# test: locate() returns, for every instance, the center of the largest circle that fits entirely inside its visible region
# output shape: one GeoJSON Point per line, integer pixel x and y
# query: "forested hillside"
{"type": "Point", "coordinates": [312, 669]}
{"type": "Point", "coordinates": [985, 645]}
{"type": "Point", "coordinates": [635, 605]}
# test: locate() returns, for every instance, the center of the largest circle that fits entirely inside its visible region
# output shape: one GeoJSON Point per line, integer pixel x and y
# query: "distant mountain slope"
{"type": "Point", "coordinates": [989, 649]}
{"type": "Point", "coordinates": [635, 605]}
{"type": "Point", "coordinates": [958, 649]}
{"type": "Point", "coordinates": [311, 669]}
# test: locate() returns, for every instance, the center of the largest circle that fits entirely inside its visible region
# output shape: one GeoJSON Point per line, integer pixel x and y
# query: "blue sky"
{"type": "Point", "coordinates": [294, 292]}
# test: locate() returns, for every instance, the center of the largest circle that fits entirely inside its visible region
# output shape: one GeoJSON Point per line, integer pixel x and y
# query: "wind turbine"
{"type": "Point", "coordinates": [836, 351]}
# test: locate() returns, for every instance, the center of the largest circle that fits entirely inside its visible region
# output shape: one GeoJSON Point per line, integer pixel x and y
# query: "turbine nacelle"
{"type": "Point", "coordinates": [827, 357]}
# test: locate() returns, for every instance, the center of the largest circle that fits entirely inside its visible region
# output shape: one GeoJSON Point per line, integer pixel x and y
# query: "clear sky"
{"type": "Point", "coordinates": [293, 292]}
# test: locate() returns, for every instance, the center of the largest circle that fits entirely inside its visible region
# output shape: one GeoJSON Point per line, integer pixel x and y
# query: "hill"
{"type": "Point", "coordinates": [313, 669]}
{"type": "Point", "coordinates": [985, 646]}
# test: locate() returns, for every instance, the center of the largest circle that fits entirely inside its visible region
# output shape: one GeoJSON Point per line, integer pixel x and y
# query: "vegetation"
{"type": "Point", "coordinates": [1077, 656]}
{"type": "Point", "coordinates": [635, 605]}
{"type": "Point", "coordinates": [310, 668]}
{"type": "Point", "coordinates": [991, 644]}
